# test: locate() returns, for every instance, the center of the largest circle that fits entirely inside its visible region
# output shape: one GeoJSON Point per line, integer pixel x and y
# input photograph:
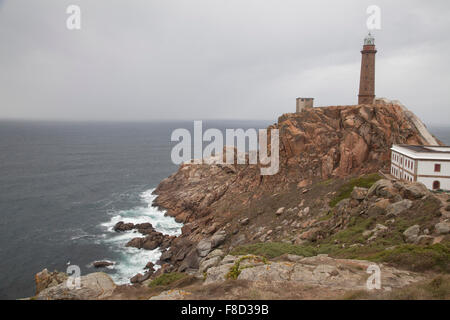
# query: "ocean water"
{"type": "Point", "coordinates": [442, 133]}
{"type": "Point", "coordinates": [64, 185]}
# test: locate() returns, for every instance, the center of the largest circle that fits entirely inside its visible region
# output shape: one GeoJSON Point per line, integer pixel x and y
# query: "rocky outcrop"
{"type": "Point", "coordinates": [152, 240]}
{"type": "Point", "coordinates": [46, 279]}
{"type": "Point", "coordinates": [102, 264]}
{"type": "Point", "coordinates": [320, 271]}
{"type": "Point", "coordinates": [93, 286]}
{"type": "Point", "coordinates": [316, 144]}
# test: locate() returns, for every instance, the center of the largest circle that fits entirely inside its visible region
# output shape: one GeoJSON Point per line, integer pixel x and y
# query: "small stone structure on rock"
{"type": "Point", "coordinates": [304, 103]}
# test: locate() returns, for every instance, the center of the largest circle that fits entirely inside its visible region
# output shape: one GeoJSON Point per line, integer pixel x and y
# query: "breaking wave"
{"type": "Point", "coordinates": [131, 261]}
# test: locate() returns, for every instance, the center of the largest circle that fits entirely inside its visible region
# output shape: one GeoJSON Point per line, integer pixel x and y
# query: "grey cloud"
{"type": "Point", "coordinates": [204, 59]}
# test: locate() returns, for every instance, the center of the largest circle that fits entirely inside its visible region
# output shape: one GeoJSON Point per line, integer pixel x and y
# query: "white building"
{"type": "Point", "coordinates": [427, 164]}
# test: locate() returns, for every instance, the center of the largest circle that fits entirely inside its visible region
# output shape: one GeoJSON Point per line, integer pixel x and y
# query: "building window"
{"type": "Point", "coordinates": [436, 185]}
{"type": "Point", "coordinates": [437, 167]}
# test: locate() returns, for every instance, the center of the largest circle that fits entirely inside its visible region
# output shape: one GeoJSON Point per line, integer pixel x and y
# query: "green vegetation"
{"type": "Point", "coordinates": [353, 233]}
{"type": "Point", "coordinates": [418, 258]}
{"type": "Point", "coordinates": [345, 191]}
{"type": "Point", "coordinates": [412, 257]}
{"type": "Point", "coordinates": [236, 269]}
{"type": "Point", "coordinates": [274, 249]}
{"type": "Point", "coordinates": [327, 217]}
{"type": "Point", "coordinates": [436, 288]}
{"type": "Point", "coordinates": [167, 279]}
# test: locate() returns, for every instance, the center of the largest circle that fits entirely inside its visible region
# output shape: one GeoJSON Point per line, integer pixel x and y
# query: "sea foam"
{"type": "Point", "coordinates": [131, 260]}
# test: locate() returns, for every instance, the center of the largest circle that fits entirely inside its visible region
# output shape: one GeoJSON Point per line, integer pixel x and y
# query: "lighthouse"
{"type": "Point", "coordinates": [367, 80]}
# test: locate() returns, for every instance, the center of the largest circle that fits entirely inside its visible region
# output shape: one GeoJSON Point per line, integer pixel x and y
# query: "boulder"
{"type": "Point", "coordinates": [145, 228]}
{"type": "Point", "coordinates": [102, 264]}
{"type": "Point", "coordinates": [279, 211]}
{"type": "Point", "coordinates": [218, 273]}
{"type": "Point", "coordinates": [424, 240]}
{"type": "Point", "coordinates": [359, 193]}
{"type": "Point", "coordinates": [378, 208]}
{"type": "Point", "coordinates": [218, 238]}
{"type": "Point", "coordinates": [209, 263]}
{"type": "Point", "coordinates": [151, 243]}
{"type": "Point", "coordinates": [204, 247]}
{"type": "Point", "coordinates": [135, 243]}
{"type": "Point", "coordinates": [139, 278]}
{"type": "Point", "coordinates": [245, 221]}
{"type": "Point", "coordinates": [215, 253]}
{"type": "Point", "coordinates": [377, 231]}
{"type": "Point", "coordinates": [412, 233]}
{"type": "Point", "coordinates": [382, 188]}
{"type": "Point", "coordinates": [414, 190]}
{"type": "Point", "coordinates": [46, 279]}
{"type": "Point", "coordinates": [166, 255]}
{"type": "Point", "coordinates": [191, 261]}
{"type": "Point", "coordinates": [442, 228]}
{"type": "Point", "coordinates": [397, 208]}
{"type": "Point", "coordinates": [150, 265]}
{"type": "Point", "coordinates": [122, 226]}
{"type": "Point", "coordinates": [93, 286]}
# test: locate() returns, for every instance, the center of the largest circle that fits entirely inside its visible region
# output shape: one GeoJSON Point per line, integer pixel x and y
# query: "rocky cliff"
{"type": "Point", "coordinates": [315, 145]}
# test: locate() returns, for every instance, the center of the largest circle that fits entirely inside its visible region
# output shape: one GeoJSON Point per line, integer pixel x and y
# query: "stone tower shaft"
{"type": "Point", "coordinates": [367, 80]}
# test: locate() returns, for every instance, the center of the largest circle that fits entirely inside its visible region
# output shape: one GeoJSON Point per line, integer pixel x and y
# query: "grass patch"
{"type": "Point", "coordinates": [345, 191]}
{"type": "Point", "coordinates": [418, 258]}
{"type": "Point", "coordinates": [437, 288]}
{"type": "Point", "coordinates": [408, 256]}
{"type": "Point", "coordinates": [353, 233]}
{"type": "Point", "coordinates": [274, 249]}
{"type": "Point", "coordinates": [167, 279]}
{"type": "Point", "coordinates": [327, 217]}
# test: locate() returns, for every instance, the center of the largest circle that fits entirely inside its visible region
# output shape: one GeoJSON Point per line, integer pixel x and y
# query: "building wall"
{"type": "Point", "coordinates": [304, 103]}
{"type": "Point", "coordinates": [426, 167]}
{"type": "Point", "coordinates": [406, 168]}
{"type": "Point", "coordinates": [403, 167]}
{"type": "Point", "coordinates": [427, 175]}
{"type": "Point", "coordinates": [428, 182]}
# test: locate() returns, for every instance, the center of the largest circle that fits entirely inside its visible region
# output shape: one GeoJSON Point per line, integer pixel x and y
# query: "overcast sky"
{"type": "Point", "coordinates": [216, 59]}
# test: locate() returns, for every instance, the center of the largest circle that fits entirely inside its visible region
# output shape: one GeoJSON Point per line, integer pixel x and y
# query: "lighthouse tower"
{"type": "Point", "coordinates": [367, 81]}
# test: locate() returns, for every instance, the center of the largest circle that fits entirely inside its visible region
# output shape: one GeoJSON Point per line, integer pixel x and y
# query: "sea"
{"type": "Point", "coordinates": [63, 186]}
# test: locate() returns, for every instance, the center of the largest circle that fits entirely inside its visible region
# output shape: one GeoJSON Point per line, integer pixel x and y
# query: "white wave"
{"type": "Point", "coordinates": [131, 260]}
